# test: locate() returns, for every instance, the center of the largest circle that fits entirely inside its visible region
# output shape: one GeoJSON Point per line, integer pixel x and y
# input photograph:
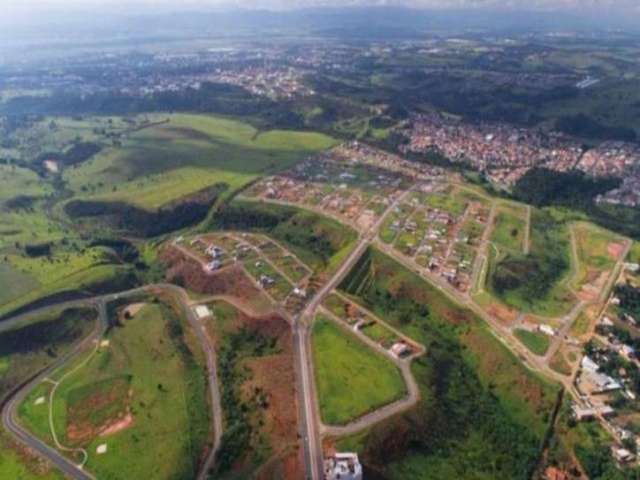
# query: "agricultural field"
{"type": "Point", "coordinates": [352, 379]}
{"type": "Point", "coordinates": [141, 392]}
{"type": "Point", "coordinates": [255, 357]}
{"type": "Point", "coordinates": [514, 402]}
{"type": "Point", "coordinates": [165, 162]}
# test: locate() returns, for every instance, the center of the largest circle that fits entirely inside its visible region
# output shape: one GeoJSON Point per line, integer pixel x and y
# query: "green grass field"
{"type": "Point", "coordinates": [509, 231]}
{"type": "Point", "coordinates": [352, 379]}
{"type": "Point", "coordinates": [20, 181]}
{"type": "Point", "coordinates": [16, 464]}
{"type": "Point", "coordinates": [95, 279]}
{"type": "Point", "coordinates": [166, 162]}
{"type": "Point", "coordinates": [146, 371]}
{"type": "Point", "coordinates": [537, 342]}
{"type": "Point", "coordinates": [535, 283]}
{"type": "Point", "coordinates": [593, 257]}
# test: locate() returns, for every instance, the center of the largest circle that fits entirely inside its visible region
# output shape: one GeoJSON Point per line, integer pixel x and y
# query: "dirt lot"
{"type": "Point", "coordinates": [229, 281]}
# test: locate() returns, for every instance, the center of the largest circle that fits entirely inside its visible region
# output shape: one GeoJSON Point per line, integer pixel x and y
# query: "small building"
{"type": "Point", "coordinates": [548, 330]}
{"type": "Point", "coordinates": [583, 414]}
{"type": "Point", "coordinates": [202, 311]}
{"type": "Point", "coordinates": [627, 351]}
{"type": "Point", "coordinates": [400, 350]}
{"type": "Point", "coordinates": [265, 281]}
{"type": "Point", "coordinates": [213, 266]}
{"type": "Point", "coordinates": [606, 411]}
{"type": "Point", "coordinates": [342, 466]}
{"type": "Point", "coordinates": [606, 322]}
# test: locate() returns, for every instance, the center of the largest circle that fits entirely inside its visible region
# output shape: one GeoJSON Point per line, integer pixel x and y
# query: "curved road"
{"type": "Point", "coordinates": [70, 469]}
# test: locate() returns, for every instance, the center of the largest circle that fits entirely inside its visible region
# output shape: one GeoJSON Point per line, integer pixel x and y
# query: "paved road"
{"type": "Point", "coordinates": [304, 362]}
{"type": "Point", "coordinates": [9, 409]}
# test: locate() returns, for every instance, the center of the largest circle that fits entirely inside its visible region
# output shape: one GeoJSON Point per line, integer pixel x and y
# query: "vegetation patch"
{"type": "Point", "coordinates": [537, 342]}
{"type": "Point", "coordinates": [255, 358]}
{"type": "Point", "coordinates": [475, 395]}
{"type": "Point", "coordinates": [532, 282]}
{"type": "Point", "coordinates": [29, 347]}
{"type": "Point", "coordinates": [131, 219]}
{"type": "Point", "coordinates": [352, 379]}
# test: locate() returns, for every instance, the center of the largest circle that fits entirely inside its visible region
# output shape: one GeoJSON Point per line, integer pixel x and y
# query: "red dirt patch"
{"type": "Point", "coordinates": [229, 281]}
{"type": "Point", "coordinates": [615, 250]}
{"type": "Point", "coordinates": [503, 313]}
{"type": "Point", "coordinates": [118, 425]}
{"type": "Point", "coordinates": [81, 429]}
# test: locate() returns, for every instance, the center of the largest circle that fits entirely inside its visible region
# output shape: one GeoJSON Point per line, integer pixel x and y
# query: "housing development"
{"type": "Point", "coordinates": [321, 244]}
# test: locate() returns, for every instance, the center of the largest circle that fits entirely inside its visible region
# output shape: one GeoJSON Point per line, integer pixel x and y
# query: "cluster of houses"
{"type": "Point", "coordinates": [217, 254]}
{"type": "Point", "coordinates": [505, 153]}
{"type": "Point", "coordinates": [597, 390]}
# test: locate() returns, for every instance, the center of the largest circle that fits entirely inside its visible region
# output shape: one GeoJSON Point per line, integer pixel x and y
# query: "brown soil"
{"type": "Point", "coordinates": [118, 425]}
{"type": "Point", "coordinates": [503, 313]}
{"type": "Point", "coordinates": [188, 273]}
{"type": "Point", "coordinates": [615, 250]}
{"type": "Point", "coordinates": [274, 376]}
{"type": "Point", "coordinates": [81, 429]}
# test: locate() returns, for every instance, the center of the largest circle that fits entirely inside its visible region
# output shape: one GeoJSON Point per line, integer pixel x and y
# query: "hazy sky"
{"type": "Point", "coordinates": [577, 5]}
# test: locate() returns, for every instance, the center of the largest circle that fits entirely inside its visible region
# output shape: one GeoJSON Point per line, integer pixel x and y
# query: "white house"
{"type": "Point", "coordinates": [343, 466]}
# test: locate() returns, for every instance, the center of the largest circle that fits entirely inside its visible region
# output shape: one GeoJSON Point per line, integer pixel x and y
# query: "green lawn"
{"type": "Point", "coordinates": [352, 379]}
{"type": "Point", "coordinates": [592, 251]}
{"type": "Point", "coordinates": [148, 371]}
{"type": "Point", "coordinates": [163, 163]}
{"type": "Point", "coordinates": [537, 342]}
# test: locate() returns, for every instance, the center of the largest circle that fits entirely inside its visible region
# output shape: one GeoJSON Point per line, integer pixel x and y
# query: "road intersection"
{"type": "Point", "coordinates": [311, 429]}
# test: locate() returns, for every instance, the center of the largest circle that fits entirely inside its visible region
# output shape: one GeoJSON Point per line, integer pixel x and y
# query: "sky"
{"type": "Point", "coordinates": [576, 5]}
{"type": "Point", "coordinates": [31, 13]}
